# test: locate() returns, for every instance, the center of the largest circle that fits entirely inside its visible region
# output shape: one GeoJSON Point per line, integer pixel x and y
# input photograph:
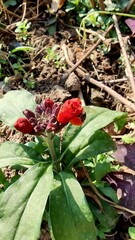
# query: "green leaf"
{"type": "Point", "coordinates": [70, 7]}
{"type": "Point", "coordinates": [101, 235]}
{"type": "Point", "coordinates": [22, 48]}
{"type": "Point", "coordinates": [10, 3]}
{"type": "Point", "coordinates": [109, 192]}
{"type": "Point", "coordinates": [39, 145]}
{"type": "Point", "coordinates": [75, 2]}
{"type": "Point", "coordinates": [128, 138]}
{"type": "Point", "coordinates": [92, 18]}
{"type": "Point", "coordinates": [70, 214]}
{"type": "Point", "coordinates": [108, 218]}
{"type": "Point", "coordinates": [111, 7]}
{"type": "Point", "coordinates": [120, 123]}
{"type": "Point", "coordinates": [131, 232]}
{"type": "Point", "coordinates": [3, 179]}
{"type": "Point", "coordinates": [23, 204]}
{"type": "Point", "coordinates": [12, 104]}
{"type": "Point", "coordinates": [77, 138]}
{"type": "Point", "coordinates": [100, 142]}
{"type": "Point", "coordinates": [101, 169]}
{"type": "Point", "coordinates": [52, 28]}
{"type": "Point", "coordinates": [18, 154]}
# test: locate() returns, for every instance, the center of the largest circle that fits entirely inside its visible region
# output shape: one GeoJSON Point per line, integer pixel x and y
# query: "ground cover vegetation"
{"type": "Point", "coordinates": [67, 110]}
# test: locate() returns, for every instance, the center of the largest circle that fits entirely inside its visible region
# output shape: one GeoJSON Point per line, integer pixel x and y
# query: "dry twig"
{"type": "Point", "coordinates": [130, 5]}
{"type": "Point", "coordinates": [115, 80]}
{"type": "Point", "coordinates": [24, 9]}
{"type": "Point", "coordinates": [102, 6]}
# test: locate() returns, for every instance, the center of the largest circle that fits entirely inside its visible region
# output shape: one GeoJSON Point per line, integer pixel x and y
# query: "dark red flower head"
{"type": "Point", "coordinates": [51, 117]}
{"type": "Point", "coordinates": [71, 111]}
{"type": "Point", "coordinates": [43, 120]}
{"type": "Point", "coordinates": [23, 125]}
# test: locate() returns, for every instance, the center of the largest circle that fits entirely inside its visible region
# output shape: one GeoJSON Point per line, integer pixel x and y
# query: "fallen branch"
{"type": "Point", "coordinates": [65, 76]}
{"type": "Point", "coordinates": [123, 48]}
{"type": "Point", "coordinates": [87, 78]}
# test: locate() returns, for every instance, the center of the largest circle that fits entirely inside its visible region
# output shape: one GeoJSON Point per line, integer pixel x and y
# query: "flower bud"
{"type": "Point", "coordinates": [28, 114]}
{"type": "Point", "coordinates": [39, 109]}
{"type": "Point", "coordinates": [23, 125]}
{"type": "Point", "coordinates": [48, 103]}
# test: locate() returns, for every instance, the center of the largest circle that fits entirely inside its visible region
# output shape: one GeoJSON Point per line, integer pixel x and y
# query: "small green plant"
{"type": "Point", "coordinates": [30, 82]}
{"type": "Point", "coordinates": [18, 65]}
{"type": "Point", "coordinates": [58, 171]}
{"type": "Point", "coordinates": [14, 61]}
{"type": "Point", "coordinates": [100, 19]}
{"type": "Point", "coordinates": [79, 7]}
{"type": "Point", "coordinates": [10, 3]}
{"type": "Point", "coordinates": [22, 29]}
{"type": "Point", "coordinates": [54, 57]}
{"type": "Point", "coordinates": [97, 18]}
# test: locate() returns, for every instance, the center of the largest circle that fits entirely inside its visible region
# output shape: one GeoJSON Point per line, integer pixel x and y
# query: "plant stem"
{"type": "Point", "coordinates": [109, 13]}
{"type": "Point", "coordinates": [93, 3]}
{"type": "Point", "coordinates": [50, 143]}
